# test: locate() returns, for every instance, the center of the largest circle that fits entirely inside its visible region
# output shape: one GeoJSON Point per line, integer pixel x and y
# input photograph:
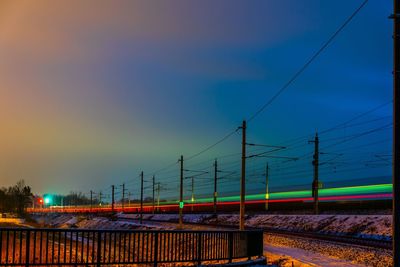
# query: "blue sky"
{"type": "Point", "coordinates": [95, 92]}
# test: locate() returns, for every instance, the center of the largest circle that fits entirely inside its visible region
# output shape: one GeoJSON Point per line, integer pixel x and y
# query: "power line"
{"type": "Point", "coordinates": [213, 145]}
{"type": "Point", "coordinates": [294, 77]}
{"type": "Point", "coordinates": [357, 117]}
{"type": "Point", "coordinates": [308, 63]}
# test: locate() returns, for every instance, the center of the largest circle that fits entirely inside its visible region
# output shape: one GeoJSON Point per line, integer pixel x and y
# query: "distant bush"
{"type": "Point", "coordinates": [15, 198]}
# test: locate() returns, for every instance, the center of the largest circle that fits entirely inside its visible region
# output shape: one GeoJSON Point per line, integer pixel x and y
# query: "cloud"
{"type": "Point", "coordinates": [94, 87]}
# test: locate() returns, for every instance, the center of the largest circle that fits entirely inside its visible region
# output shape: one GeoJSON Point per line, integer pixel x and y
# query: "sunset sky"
{"type": "Point", "coordinates": [93, 92]}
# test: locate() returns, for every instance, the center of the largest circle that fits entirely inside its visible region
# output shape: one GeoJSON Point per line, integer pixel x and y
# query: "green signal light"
{"type": "Point", "coordinates": [181, 205]}
{"type": "Point", "coordinates": [47, 200]}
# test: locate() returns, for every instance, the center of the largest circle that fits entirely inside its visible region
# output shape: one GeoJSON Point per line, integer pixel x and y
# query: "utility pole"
{"type": "Point", "coordinates": [158, 197]}
{"type": "Point", "coordinates": [112, 198]}
{"type": "Point", "coordinates": [123, 197]}
{"type": "Point", "coordinates": [100, 195]}
{"type": "Point", "coordinates": [215, 186]}
{"type": "Point", "coordinates": [91, 200]}
{"type": "Point", "coordinates": [315, 183]}
{"type": "Point", "coordinates": [266, 187]}
{"type": "Point", "coordinates": [181, 195]}
{"type": "Point", "coordinates": [243, 178]}
{"type": "Point", "coordinates": [192, 192]}
{"type": "Point", "coordinates": [141, 198]}
{"type": "Point", "coordinates": [154, 182]}
{"type": "Point", "coordinates": [396, 131]}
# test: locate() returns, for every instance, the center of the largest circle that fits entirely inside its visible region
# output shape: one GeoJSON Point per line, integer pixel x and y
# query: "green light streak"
{"type": "Point", "coordinates": [337, 191]}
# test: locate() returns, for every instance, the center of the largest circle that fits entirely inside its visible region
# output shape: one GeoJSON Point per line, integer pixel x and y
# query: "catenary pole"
{"type": "Point", "coordinates": [396, 132]}
{"type": "Point", "coordinates": [266, 187]}
{"type": "Point", "coordinates": [192, 193]}
{"type": "Point", "coordinates": [154, 181]}
{"type": "Point", "coordinates": [141, 197]}
{"type": "Point", "coordinates": [243, 178]}
{"type": "Point", "coordinates": [112, 198]}
{"type": "Point", "coordinates": [91, 200]}
{"type": "Point", "coordinates": [158, 197]}
{"type": "Point", "coordinates": [315, 185]}
{"type": "Point", "coordinates": [123, 197]}
{"type": "Point", "coordinates": [215, 186]}
{"type": "Point", "coordinates": [181, 195]}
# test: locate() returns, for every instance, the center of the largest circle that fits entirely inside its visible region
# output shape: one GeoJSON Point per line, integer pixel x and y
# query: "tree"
{"type": "Point", "coordinates": [15, 198]}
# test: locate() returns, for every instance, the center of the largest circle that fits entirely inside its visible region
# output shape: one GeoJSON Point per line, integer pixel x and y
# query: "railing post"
{"type": "Point", "coordinates": [99, 249]}
{"type": "Point", "coordinates": [199, 250]}
{"type": "Point", "coordinates": [230, 247]}
{"type": "Point", "coordinates": [248, 245]}
{"type": "Point", "coordinates": [155, 234]}
{"type": "Point", "coordinates": [237, 244]}
{"type": "Point", "coordinates": [27, 247]}
{"type": "Point", "coordinates": [262, 242]}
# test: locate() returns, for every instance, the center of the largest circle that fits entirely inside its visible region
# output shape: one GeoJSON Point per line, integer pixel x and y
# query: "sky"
{"type": "Point", "coordinates": [94, 92]}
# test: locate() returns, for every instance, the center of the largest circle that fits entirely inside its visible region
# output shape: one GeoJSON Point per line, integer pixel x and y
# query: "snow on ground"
{"type": "Point", "coordinates": [57, 220]}
{"type": "Point", "coordinates": [305, 252]}
{"type": "Point", "coordinates": [320, 253]}
{"type": "Point", "coordinates": [12, 220]}
{"type": "Point", "coordinates": [280, 249]}
{"type": "Point", "coordinates": [286, 256]}
{"type": "Point", "coordinates": [72, 221]}
{"type": "Point", "coordinates": [366, 226]}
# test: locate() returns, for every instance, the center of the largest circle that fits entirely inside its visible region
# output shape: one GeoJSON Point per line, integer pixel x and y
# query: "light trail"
{"type": "Point", "coordinates": [350, 193]}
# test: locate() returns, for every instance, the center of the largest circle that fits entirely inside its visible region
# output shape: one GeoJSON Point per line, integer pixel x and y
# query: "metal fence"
{"type": "Point", "coordinates": [41, 247]}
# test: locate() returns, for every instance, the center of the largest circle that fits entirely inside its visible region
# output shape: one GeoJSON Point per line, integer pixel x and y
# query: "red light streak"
{"type": "Point", "coordinates": [170, 207]}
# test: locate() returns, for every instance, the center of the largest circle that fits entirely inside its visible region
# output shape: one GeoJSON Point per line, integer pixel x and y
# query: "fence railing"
{"type": "Point", "coordinates": [30, 247]}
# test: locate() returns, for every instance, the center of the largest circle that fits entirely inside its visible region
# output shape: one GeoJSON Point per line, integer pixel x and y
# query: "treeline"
{"type": "Point", "coordinates": [15, 198]}
{"type": "Point", "coordinates": [71, 199]}
{"type": "Point", "coordinates": [80, 199]}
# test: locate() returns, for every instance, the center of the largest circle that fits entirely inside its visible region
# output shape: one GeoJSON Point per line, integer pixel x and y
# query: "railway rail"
{"type": "Point", "coordinates": [342, 239]}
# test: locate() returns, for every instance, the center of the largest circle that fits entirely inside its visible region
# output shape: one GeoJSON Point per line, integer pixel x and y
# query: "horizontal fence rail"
{"type": "Point", "coordinates": [41, 247]}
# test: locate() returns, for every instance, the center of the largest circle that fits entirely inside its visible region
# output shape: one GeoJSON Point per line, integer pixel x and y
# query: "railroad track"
{"type": "Point", "coordinates": [346, 240]}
